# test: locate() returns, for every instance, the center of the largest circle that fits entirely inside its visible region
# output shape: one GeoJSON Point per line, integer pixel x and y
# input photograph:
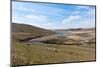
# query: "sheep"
{"type": "Point", "coordinates": [53, 49]}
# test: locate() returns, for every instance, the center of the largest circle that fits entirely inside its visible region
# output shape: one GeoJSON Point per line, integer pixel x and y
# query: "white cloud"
{"type": "Point", "coordinates": [38, 18]}
{"type": "Point", "coordinates": [40, 15]}
{"type": "Point", "coordinates": [71, 19]}
{"type": "Point", "coordinates": [76, 12]}
{"type": "Point", "coordinates": [35, 20]}
{"type": "Point", "coordinates": [43, 9]}
{"type": "Point", "coordinates": [39, 21]}
{"type": "Point", "coordinates": [83, 7]}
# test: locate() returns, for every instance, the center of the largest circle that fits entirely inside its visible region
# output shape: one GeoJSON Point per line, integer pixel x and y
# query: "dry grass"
{"type": "Point", "coordinates": [24, 54]}
{"type": "Point", "coordinates": [39, 54]}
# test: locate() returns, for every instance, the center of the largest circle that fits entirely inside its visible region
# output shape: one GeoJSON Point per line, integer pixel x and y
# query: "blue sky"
{"type": "Point", "coordinates": [53, 16]}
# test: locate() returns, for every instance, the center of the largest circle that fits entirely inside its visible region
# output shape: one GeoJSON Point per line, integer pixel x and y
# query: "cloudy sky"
{"type": "Point", "coordinates": [53, 16]}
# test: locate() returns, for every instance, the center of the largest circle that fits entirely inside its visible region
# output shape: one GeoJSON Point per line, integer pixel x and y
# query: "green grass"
{"type": "Point", "coordinates": [23, 54]}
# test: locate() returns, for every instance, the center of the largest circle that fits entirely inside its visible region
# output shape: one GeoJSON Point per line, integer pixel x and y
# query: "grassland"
{"type": "Point", "coordinates": [79, 46]}
{"type": "Point", "coordinates": [23, 54]}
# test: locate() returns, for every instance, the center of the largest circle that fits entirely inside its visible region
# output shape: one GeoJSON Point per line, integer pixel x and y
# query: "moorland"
{"type": "Point", "coordinates": [34, 45]}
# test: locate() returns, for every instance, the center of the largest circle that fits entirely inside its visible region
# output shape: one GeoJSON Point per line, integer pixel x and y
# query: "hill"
{"type": "Point", "coordinates": [33, 45]}
{"type": "Point", "coordinates": [21, 31]}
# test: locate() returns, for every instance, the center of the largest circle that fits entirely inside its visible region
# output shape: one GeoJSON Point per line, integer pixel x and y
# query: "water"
{"type": "Point", "coordinates": [57, 33]}
{"type": "Point", "coordinates": [63, 33]}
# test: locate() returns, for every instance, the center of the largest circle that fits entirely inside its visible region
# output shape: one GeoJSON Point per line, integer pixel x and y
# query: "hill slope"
{"type": "Point", "coordinates": [23, 31]}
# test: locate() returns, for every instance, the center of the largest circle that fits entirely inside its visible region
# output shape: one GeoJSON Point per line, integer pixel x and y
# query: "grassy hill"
{"type": "Point", "coordinates": [21, 31]}
{"type": "Point", "coordinates": [76, 47]}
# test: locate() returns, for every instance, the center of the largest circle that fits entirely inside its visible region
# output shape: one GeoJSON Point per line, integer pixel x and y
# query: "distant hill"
{"type": "Point", "coordinates": [21, 31]}
{"type": "Point", "coordinates": [74, 29]}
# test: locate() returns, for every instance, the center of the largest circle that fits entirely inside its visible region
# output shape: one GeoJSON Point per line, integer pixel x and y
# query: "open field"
{"type": "Point", "coordinates": [40, 54]}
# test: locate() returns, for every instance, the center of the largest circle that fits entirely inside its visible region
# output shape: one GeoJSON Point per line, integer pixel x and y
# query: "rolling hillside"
{"type": "Point", "coordinates": [21, 31]}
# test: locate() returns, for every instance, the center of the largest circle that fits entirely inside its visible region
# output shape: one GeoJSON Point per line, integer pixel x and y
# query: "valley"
{"type": "Point", "coordinates": [41, 46]}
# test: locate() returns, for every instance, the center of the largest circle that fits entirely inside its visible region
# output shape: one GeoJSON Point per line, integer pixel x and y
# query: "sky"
{"type": "Point", "coordinates": [53, 16]}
